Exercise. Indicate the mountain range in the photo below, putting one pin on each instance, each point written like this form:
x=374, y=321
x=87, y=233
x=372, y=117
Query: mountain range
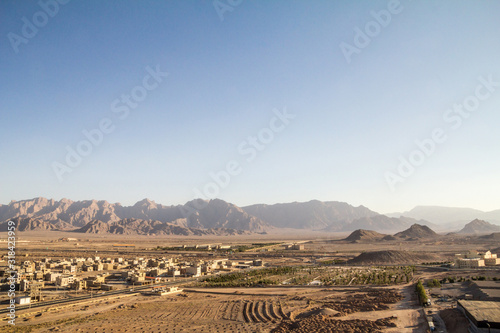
x=449, y=217
x=196, y=217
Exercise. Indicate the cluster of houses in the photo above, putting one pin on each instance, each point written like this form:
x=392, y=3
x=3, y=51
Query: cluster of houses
x=95, y=273
x=475, y=259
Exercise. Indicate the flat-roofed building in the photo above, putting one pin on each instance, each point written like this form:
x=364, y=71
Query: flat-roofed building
x=108, y=266
x=22, y=300
x=79, y=285
x=88, y=268
x=64, y=280
x=469, y=263
x=484, y=316
x=51, y=276
x=492, y=261
x=195, y=270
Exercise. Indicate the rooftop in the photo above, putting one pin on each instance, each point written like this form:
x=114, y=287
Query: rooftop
x=483, y=310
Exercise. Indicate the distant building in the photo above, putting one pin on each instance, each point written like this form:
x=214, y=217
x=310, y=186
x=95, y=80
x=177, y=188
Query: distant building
x=24, y=285
x=138, y=277
x=64, y=280
x=108, y=287
x=295, y=247
x=490, y=259
x=97, y=267
x=79, y=285
x=469, y=263
x=474, y=259
x=257, y=262
x=51, y=276
x=88, y=268
x=23, y=300
x=108, y=266
x=195, y=270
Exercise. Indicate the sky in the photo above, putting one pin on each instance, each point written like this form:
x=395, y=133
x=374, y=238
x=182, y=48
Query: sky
x=385, y=104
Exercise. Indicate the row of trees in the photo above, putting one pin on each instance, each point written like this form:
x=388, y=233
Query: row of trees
x=248, y=279
x=422, y=296
x=378, y=275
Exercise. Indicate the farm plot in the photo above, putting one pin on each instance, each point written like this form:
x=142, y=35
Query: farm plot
x=262, y=312
x=280, y=309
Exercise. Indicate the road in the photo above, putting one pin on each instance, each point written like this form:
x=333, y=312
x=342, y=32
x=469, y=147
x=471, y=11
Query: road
x=129, y=290
x=433, y=311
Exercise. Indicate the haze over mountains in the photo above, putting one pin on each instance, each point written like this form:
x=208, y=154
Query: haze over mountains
x=451, y=217
x=197, y=217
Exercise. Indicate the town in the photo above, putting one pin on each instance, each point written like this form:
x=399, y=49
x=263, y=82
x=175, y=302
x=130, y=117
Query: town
x=297, y=272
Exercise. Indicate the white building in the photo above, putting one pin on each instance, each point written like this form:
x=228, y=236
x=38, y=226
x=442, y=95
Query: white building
x=22, y=300
x=490, y=259
x=469, y=263
x=474, y=259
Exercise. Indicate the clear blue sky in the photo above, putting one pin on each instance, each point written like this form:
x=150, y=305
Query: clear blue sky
x=353, y=120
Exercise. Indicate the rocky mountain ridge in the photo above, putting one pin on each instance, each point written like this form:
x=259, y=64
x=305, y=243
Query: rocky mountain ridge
x=196, y=214
x=477, y=227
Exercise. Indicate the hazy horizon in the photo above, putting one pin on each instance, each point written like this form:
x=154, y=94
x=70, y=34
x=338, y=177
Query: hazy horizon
x=385, y=104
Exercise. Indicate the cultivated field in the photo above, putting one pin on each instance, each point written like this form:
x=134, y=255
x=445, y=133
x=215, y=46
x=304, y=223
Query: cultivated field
x=237, y=310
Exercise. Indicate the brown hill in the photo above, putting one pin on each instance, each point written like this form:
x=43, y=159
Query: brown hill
x=479, y=227
x=393, y=257
x=417, y=231
x=362, y=235
x=493, y=236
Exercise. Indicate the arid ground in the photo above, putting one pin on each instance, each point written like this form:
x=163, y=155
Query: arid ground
x=352, y=307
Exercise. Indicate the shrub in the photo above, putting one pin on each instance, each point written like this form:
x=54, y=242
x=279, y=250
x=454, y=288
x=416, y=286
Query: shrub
x=434, y=283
